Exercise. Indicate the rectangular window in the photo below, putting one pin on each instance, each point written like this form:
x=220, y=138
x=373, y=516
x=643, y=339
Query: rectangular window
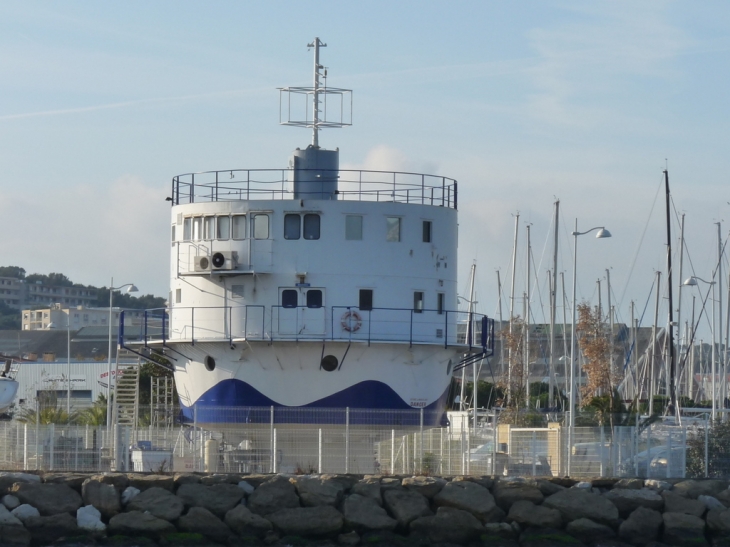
x=427, y=231
x=418, y=302
x=366, y=300
x=223, y=228
x=237, y=291
x=311, y=226
x=353, y=227
x=209, y=228
x=292, y=226
x=261, y=226
x=178, y=296
x=289, y=298
x=172, y=235
x=440, y=303
x=239, y=226
x=393, y=229
x=197, y=228
x=187, y=229
x=314, y=298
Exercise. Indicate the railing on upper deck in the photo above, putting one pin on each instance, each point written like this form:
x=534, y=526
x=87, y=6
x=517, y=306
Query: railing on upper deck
x=336, y=323
x=353, y=185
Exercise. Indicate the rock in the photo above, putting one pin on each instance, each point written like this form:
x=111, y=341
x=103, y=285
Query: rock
x=674, y=503
x=199, y=520
x=346, y=481
x=695, y=488
x=218, y=478
x=49, y=499
x=159, y=502
x=273, y=495
x=7, y=480
x=45, y=530
x=388, y=483
x=89, y=518
x=317, y=521
x=7, y=518
x=576, y=503
x=683, y=530
x=630, y=484
x=426, y=486
x=584, y=485
x=626, y=500
x=711, y=502
x=365, y=515
x=507, y=494
x=14, y=536
x=314, y=491
x=256, y=479
x=10, y=502
x=118, y=480
x=450, y=525
x=486, y=482
x=604, y=482
x=246, y=487
x=143, y=482
x=724, y=497
x=527, y=513
x=218, y=499
x=500, y=530
x=73, y=480
x=588, y=531
x=405, y=506
x=470, y=497
x=350, y=539
x=105, y=497
x=641, y=527
x=369, y=488
x=245, y=523
x=185, y=478
x=136, y=523
x=548, y=488
x=657, y=485
x=129, y=493
x=719, y=521
x=23, y=512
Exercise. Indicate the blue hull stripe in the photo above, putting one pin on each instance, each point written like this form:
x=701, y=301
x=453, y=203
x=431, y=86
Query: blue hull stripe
x=370, y=402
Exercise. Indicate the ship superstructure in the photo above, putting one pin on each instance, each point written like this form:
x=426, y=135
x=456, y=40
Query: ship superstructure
x=313, y=286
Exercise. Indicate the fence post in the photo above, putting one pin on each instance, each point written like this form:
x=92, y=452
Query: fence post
x=420, y=457
x=193, y=437
x=441, y=450
x=684, y=452
x=534, y=455
x=601, y=438
x=273, y=446
x=25, y=447
x=37, y=459
x=392, y=451
x=319, y=452
x=648, y=456
x=707, y=449
x=52, y=429
x=669, y=455
x=347, y=440
x=272, y=464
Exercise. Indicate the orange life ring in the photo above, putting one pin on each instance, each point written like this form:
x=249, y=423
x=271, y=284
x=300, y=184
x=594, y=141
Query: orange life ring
x=351, y=321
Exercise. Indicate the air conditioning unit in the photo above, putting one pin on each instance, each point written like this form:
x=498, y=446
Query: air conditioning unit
x=220, y=260
x=202, y=264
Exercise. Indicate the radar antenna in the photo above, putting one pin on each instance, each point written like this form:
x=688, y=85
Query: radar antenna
x=323, y=115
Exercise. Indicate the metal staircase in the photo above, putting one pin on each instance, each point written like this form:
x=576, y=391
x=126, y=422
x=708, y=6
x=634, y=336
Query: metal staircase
x=126, y=396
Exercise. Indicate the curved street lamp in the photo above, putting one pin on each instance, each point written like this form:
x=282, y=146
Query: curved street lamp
x=130, y=288
x=692, y=282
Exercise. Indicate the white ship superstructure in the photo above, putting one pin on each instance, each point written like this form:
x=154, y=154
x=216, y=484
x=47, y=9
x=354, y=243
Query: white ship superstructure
x=312, y=286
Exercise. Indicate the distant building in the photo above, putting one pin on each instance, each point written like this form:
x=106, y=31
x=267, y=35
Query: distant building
x=19, y=294
x=75, y=318
x=12, y=292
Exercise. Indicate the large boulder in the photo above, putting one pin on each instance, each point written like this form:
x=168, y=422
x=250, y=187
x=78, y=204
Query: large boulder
x=24, y=512
x=505, y=494
x=49, y=499
x=118, y=480
x=695, y=488
x=450, y=525
x=185, y=478
x=682, y=530
x=711, y=502
x=8, y=479
x=577, y=503
x=74, y=480
x=245, y=523
x=158, y=502
x=719, y=521
x=588, y=531
x=273, y=495
x=136, y=523
x=143, y=482
x=201, y=521
x=88, y=518
x=674, y=503
x=426, y=486
x=405, y=506
x=10, y=502
x=365, y=515
x=369, y=487
x=641, y=527
x=7, y=518
x=528, y=514
x=105, y=497
x=218, y=499
x=471, y=497
x=627, y=500
x=314, y=491
x=14, y=536
x=46, y=530
x=631, y=484
x=323, y=520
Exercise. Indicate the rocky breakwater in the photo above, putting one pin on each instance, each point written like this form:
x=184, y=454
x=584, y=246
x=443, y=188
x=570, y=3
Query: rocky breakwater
x=350, y=510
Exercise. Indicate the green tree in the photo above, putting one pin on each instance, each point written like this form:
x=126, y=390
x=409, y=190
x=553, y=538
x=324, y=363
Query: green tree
x=12, y=271
x=718, y=451
x=47, y=415
x=95, y=415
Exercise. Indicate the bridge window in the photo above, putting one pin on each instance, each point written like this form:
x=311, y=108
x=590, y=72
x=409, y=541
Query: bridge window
x=366, y=300
x=238, y=223
x=427, y=231
x=187, y=229
x=440, y=303
x=223, y=228
x=311, y=226
x=197, y=228
x=418, y=302
x=353, y=227
x=261, y=226
x=292, y=228
x=393, y=229
x=314, y=298
x=173, y=234
x=289, y=298
x=209, y=228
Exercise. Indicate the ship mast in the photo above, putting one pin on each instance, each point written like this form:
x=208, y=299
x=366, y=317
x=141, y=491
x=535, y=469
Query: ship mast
x=316, y=90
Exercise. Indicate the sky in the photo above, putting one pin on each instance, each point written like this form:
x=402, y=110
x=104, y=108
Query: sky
x=524, y=103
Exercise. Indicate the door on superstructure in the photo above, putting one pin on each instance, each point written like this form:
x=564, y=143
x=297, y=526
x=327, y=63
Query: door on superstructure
x=301, y=312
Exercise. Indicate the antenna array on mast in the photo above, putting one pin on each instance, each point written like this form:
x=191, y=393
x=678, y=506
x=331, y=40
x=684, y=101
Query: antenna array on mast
x=319, y=110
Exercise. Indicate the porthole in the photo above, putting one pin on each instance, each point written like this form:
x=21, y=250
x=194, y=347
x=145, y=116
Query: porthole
x=448, y=368
x=329, y=363
x=209, y=363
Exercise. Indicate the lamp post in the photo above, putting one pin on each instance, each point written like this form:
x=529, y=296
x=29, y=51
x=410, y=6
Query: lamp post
x=130, y=288
x=692, y=282
x=68, y=363
x=602, y=233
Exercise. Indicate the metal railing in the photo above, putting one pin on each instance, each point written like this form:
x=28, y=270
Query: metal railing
x=353, y=185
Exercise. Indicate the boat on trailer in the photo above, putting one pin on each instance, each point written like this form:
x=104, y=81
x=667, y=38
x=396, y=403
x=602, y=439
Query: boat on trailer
x=310, y=287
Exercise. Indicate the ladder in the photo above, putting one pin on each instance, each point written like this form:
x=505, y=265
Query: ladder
x=161, y=400
x=126, y=397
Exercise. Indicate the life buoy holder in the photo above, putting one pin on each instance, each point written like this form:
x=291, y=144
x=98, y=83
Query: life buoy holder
x=351, y=321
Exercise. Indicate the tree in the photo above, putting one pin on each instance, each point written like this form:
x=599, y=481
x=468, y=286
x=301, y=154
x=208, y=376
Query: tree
x=47, y=415
x=12, y=271
x=718, y=450
x=57, y=279
x=94, y=415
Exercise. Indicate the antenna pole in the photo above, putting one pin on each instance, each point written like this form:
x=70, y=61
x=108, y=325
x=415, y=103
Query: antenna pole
x=315, y=105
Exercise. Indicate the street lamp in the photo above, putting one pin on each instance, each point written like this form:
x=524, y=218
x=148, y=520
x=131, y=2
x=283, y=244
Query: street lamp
x=68, y=362
x=602, y=233
x=692, y=282
x=130, y=288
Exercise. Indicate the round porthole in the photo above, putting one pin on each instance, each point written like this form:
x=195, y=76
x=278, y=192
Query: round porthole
x=329, y=363
x=448, y=368
x=209, y=363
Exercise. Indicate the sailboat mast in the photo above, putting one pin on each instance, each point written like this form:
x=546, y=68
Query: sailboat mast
x=512, y=307
x=553, y=307
x=670, y=327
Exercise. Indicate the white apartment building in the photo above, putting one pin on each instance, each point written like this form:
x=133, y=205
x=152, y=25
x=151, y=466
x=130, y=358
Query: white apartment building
x=75, y=318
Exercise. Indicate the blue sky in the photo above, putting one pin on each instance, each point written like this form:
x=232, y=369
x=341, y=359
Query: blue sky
x=102, y=103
